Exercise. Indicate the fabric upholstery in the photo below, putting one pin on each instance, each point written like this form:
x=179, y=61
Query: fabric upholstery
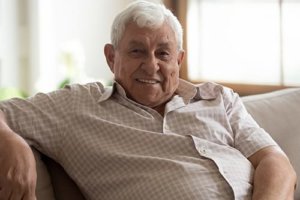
x=44, y=189
x=279, y=113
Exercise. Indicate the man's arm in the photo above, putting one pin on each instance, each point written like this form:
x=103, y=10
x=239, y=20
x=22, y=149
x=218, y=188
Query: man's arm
x=274, y=176
x=17, y=165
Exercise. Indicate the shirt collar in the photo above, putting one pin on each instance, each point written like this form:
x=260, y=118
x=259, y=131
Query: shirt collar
x=186, y=90
x=108, y=92
x=189, y=91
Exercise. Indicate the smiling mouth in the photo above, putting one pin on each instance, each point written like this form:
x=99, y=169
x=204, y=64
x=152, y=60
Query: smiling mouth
x=147, y=81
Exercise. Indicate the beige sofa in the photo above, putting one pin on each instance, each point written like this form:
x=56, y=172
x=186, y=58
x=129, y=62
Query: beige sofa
x=277, y=112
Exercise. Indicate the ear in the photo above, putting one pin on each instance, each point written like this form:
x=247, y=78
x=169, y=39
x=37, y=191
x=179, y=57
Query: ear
x=109, y=53
x=180, y=57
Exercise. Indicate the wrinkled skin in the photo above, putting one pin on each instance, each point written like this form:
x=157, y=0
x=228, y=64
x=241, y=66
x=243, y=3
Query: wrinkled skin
x=17, y=166
x=146, y=63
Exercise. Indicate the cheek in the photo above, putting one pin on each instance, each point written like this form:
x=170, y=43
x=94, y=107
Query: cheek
x=125, y=74
x=174, y=79
x=171, y=79
x=122, y=70
x=170, y=70
x=173, y=74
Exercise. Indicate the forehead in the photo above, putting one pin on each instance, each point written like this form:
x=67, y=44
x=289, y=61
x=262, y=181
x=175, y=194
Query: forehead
x=135, y=35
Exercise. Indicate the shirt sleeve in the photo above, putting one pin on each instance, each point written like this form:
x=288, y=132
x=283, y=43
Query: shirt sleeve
x=42, y=119
x=248, y=136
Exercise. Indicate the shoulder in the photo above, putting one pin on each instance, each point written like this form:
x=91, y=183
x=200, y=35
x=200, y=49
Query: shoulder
x=95, y=89
x=212, y=90
x=78, y=92
x=92, y=87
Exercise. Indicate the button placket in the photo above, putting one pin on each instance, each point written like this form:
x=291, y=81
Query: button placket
x=203, y=150
x=166, y=128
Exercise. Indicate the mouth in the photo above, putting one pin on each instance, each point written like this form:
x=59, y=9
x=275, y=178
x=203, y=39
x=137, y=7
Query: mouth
x=147, y=81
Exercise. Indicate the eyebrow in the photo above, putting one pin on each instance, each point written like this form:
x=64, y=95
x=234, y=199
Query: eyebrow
x=164, y=45
x=139, y=43
x=135, y=43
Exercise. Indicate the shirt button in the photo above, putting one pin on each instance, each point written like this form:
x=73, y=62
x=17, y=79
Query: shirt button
x=203, y=150
x=166, y=127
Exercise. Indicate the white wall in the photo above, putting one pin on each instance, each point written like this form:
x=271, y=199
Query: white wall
x=84, y=24
x=8, y=43
x=33, y=33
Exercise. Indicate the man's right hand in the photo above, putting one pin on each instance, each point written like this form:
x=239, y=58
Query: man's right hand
x=17, y=166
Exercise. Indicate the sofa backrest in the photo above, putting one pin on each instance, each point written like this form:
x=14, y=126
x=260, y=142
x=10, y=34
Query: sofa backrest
x=279, y=114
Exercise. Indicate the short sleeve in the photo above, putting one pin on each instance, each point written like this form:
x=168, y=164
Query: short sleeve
x=41, y=119
x=248, y=136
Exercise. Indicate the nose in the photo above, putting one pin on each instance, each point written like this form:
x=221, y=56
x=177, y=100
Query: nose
x=150, y=64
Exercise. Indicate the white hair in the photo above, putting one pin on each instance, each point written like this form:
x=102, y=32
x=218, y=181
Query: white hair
x=145, y=14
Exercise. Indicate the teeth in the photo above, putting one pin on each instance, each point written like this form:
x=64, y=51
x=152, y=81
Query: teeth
x=147, y=81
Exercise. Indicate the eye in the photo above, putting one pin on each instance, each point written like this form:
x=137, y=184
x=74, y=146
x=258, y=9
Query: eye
x=136, y=52
x=163, y=54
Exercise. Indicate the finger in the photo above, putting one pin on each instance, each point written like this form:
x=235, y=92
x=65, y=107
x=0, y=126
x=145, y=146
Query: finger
x=11, y=193
x=5, y=193
x=16, y=195
x=30, y=195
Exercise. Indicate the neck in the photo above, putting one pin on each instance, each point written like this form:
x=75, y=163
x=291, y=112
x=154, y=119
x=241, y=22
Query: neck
x=160, y=109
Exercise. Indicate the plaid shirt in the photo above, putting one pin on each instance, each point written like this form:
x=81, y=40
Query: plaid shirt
x=115, y=148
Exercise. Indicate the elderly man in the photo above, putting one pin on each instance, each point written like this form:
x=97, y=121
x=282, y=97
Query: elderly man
x=152, y=136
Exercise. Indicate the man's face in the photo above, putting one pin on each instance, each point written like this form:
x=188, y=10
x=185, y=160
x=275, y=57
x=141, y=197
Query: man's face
x=146, y=63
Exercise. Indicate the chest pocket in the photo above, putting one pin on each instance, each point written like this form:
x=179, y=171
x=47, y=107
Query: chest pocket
x=204, y=119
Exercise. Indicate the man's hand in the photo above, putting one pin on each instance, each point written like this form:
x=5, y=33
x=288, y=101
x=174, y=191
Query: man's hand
x=17, y=166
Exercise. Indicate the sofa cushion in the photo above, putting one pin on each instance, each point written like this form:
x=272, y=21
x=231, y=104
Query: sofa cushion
x=278, y=113
x=53, y=183
x=44, y=189
x=64, y=187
